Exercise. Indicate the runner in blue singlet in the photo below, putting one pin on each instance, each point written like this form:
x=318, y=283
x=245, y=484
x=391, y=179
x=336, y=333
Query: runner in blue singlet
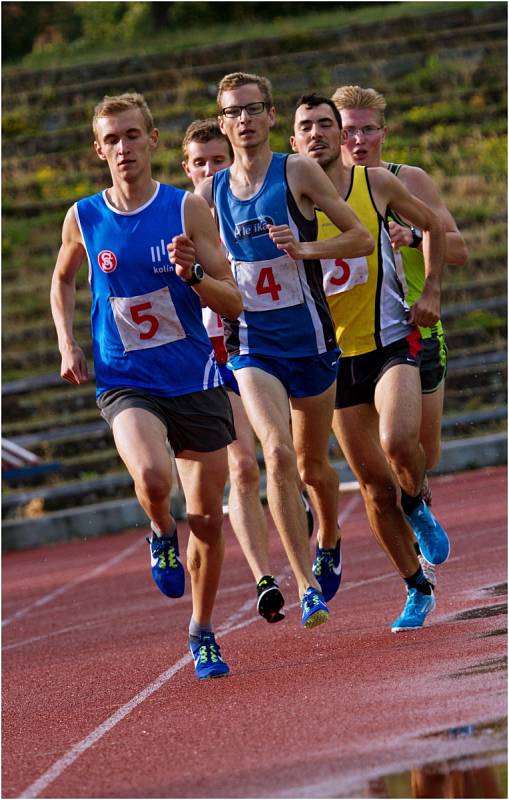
x=157, y=379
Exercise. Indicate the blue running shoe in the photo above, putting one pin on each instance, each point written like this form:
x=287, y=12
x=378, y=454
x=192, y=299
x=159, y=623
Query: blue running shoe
x=309, y=514
x=327, y=569
x=167, y=570
x=417, y=608
x=433, y=540
x=314, y=610
x=208, y=662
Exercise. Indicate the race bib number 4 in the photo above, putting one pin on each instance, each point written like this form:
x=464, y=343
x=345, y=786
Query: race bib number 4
x=269, y=285
x=342, y=274
x=147, y=320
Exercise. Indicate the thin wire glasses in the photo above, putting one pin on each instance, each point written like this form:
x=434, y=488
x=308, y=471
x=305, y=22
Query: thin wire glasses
x=366, y=130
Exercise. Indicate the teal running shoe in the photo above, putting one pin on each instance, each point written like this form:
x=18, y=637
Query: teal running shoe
x=314, y=609
x=417, y=608
x=208, y=662
x=327, y=569
x=167, y=570
x=433, y=540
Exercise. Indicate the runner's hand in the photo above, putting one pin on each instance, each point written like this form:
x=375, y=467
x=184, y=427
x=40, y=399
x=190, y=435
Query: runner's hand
x=426, y=309
x=400, y=236
x=181, y=252
x=74, y=365
x=284, y=239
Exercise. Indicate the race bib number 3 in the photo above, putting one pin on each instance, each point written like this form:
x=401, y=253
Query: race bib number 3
x=269, y=285
x=147, y=320
x=342, y=274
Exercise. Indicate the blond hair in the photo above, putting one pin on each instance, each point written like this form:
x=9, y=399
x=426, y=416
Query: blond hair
x=236, y=79
x=115, y=104
x=204, y=130
x=346, y=97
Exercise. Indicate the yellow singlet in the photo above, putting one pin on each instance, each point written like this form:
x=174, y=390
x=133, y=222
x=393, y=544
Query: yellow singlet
x=365, y=295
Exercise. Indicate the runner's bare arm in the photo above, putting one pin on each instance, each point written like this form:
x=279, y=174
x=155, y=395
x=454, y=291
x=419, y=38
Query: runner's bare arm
x=420, y=184
x=218, y=289
x=312, y=189
x=63, y=296
x=204, y=189
x=426, y=309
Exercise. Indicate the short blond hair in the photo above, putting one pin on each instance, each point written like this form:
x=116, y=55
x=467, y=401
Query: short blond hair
x=204, y=130
x=236, y=79
x=346, y=97
x=115, y=104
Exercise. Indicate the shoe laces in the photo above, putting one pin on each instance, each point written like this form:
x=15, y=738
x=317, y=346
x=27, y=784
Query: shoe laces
x=414, y=599
x=310, y=599
x=165, y=551
x=209, y=652
x=324, y=561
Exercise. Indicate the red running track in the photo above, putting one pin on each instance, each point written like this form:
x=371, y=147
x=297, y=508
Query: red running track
x=100, y=697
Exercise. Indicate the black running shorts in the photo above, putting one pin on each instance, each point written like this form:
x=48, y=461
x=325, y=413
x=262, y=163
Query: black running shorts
x=359, y=375
x=201, y=421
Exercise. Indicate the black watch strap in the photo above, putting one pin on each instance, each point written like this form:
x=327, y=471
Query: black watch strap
x=197, y=275
x=416, y=237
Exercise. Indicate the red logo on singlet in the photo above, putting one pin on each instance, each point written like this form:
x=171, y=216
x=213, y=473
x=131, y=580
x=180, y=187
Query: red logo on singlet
x=107, y=260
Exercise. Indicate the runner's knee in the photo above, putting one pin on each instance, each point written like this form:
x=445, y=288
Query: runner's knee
x=280, y=460
x=381, y=497
x=152, y=483
x=244, y=473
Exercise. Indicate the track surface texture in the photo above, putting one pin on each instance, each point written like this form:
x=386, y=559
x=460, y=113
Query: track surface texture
x=100, y=697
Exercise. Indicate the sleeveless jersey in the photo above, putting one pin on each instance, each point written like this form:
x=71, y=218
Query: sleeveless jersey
x=365, y=294
x=285, y=310
x=412, y=263
x=147, y=325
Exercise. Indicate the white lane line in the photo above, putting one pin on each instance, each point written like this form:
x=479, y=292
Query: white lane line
x=34, y=639
x=75, y=752
x=71, y=584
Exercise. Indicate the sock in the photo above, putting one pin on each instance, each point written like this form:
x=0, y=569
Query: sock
x=419, y=582
x=195, y=629
x=157, y=532
x=409, y=503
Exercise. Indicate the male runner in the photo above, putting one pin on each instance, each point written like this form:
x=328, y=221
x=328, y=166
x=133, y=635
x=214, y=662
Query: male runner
x=156, y=379
x=362, y=113
x=206, y=151
x=283, y=349
x=378, y=402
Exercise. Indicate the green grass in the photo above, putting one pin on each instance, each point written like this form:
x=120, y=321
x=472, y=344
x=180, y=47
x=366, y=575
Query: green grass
x=80, y=52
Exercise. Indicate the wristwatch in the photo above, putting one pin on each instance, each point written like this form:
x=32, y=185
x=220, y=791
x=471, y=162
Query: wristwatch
x=197, y=274
x=416, y=237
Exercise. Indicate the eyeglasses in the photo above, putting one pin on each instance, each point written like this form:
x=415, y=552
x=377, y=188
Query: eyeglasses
x=367, y=130
x=252, y=109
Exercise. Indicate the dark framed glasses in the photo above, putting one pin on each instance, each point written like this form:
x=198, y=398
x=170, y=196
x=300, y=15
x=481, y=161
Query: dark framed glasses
x=251, y=108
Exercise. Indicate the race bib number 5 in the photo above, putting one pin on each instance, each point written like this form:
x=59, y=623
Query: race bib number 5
x=269, y=285
x=342, y=274
x=147, y=320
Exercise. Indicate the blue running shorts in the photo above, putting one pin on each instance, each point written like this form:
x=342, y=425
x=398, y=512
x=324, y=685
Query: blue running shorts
x=301, y=377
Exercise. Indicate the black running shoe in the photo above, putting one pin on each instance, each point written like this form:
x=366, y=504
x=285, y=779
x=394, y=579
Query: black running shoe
x=309, y=515
x=270, y=600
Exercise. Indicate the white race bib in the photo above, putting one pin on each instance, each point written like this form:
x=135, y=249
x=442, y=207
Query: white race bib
x=147, y=320
x=268, y=285
x=212, y=322
x=341, y=274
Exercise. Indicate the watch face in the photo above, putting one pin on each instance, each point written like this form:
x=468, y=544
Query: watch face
x=198, y=273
